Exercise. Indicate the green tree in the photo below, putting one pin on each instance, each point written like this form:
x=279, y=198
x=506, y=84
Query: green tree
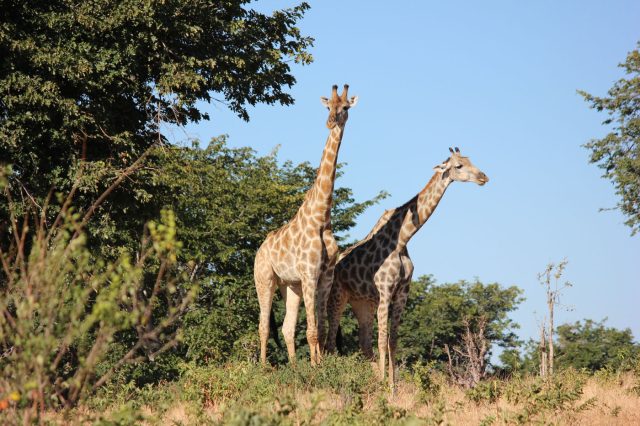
x=586, y=344
x=435, y=316
x=524, y=357
x=618, y=153
x=593, y=346
x=96, y=80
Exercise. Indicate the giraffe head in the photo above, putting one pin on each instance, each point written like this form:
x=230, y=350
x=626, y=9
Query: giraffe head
x=338, y=106
x=461, y=169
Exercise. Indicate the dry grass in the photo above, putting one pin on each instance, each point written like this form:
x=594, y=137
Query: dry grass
x=602, y=401
x=614, y=404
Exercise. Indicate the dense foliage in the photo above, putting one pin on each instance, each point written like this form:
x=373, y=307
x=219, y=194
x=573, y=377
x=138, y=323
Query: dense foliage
x=435, y=314
x=618, y=153
x=63, y=310
x=588, y=345
x=593, y=346
x=96, y=80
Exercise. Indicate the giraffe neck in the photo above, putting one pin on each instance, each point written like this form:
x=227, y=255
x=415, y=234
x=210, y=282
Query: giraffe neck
x=419, y=209
x=319, y=198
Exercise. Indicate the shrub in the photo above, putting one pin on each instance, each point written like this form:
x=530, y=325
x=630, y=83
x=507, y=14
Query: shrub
x=560, y=392
x=487, y=391
x=428, y=381
x=62, y=309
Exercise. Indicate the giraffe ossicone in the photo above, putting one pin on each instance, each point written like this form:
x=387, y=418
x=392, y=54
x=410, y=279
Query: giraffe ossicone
x=299, y=258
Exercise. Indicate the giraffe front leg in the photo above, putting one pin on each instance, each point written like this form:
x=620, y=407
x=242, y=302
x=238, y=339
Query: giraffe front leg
x=265, y=281
x=383, y=334
x=311, y=300
x=393, y=344
x=292, y=295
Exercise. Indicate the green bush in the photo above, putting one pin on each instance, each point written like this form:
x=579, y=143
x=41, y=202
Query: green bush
x=247, y=382
x=246, y=391
x=428, y=381
x=540, y=396
x=488, y=391
x=63, y=309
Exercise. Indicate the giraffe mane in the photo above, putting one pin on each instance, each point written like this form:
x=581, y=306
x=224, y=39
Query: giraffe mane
x=384, y=219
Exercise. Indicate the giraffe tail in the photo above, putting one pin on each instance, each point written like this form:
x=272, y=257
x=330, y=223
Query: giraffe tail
x=274, y=329
x=339, y=341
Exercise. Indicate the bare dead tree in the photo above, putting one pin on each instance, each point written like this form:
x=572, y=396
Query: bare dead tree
x=469, y=365
x=543, y=349
x=550, y=279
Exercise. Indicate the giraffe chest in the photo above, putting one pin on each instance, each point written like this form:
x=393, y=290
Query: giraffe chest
x=304, y=254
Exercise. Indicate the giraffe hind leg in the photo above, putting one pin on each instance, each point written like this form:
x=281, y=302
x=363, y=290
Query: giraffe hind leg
x=335, y=308
x=325, y=284
x=364, y=311
x=395, y=316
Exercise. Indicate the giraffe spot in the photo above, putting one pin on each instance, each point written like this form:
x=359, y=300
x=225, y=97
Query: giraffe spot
x=326, y=186
x=313, y=258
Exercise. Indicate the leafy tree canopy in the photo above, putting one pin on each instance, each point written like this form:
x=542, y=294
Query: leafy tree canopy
x=587, y=344
x=618, y=153
x=101, y=76
x=592, y=345
x=434, y=316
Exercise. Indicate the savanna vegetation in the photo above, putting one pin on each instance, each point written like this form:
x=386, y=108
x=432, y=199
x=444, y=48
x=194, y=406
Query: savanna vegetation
x=126, y=261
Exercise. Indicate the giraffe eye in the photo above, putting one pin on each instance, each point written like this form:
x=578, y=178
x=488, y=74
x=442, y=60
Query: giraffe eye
x=345, y=108
x=459, y=166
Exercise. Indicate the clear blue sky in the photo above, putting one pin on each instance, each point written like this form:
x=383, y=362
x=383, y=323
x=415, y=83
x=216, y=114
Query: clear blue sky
x=499, y=80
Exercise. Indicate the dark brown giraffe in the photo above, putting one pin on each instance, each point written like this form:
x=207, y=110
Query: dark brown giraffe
x=300, y=257
x=374, y=274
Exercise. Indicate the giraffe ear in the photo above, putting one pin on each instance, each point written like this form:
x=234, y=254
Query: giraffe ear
x=324, y=101
x=353, y=101
x=443, y=167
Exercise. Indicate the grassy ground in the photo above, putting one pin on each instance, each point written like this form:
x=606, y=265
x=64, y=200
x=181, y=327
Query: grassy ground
x=346, y=391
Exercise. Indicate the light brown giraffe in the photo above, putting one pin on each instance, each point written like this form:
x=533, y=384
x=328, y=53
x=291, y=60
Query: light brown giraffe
x=300, y=257
x=374, y=274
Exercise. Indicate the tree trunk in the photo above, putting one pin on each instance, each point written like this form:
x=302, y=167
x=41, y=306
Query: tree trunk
x=550, y=335
x=543, y=350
